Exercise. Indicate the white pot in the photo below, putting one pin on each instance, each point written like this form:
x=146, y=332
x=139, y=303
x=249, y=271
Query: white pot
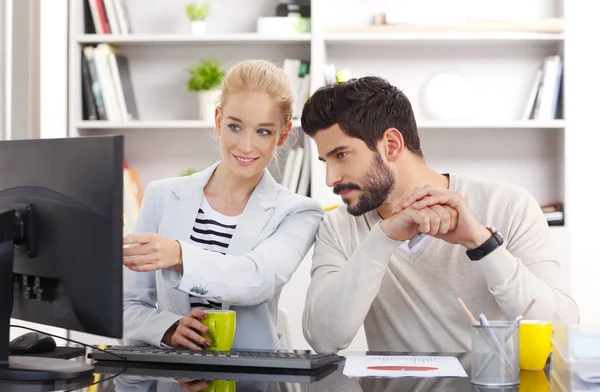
x=208, y=103
x=198, y=27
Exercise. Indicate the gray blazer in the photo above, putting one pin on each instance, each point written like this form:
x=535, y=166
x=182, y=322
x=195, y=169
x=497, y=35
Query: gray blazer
x=275, y=231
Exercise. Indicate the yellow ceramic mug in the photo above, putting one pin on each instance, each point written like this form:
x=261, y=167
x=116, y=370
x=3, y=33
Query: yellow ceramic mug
x=220, y=386
x=221, y=325
x=535, y=344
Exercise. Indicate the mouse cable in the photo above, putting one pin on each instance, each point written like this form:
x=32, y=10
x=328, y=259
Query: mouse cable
x=70, y=340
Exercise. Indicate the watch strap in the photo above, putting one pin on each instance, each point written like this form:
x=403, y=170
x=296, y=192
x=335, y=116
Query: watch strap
x=491, y=244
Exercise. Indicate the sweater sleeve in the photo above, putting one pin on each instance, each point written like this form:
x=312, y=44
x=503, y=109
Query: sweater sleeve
x=342, y=289
x=525, y=267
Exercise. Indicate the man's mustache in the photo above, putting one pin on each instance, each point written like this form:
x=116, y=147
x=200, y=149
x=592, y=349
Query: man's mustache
x=339, y=188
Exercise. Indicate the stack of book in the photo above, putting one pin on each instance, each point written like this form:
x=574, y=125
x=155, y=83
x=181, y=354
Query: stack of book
x=543, y=102
x=108, y=17
x=554, y=213
x=296, y=170
x=106, y=85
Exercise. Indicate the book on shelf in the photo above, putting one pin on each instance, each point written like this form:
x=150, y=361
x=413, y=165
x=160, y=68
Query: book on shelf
x=107, y=17
x=296, y=169
x=543, y=101
x=106, y=85
x=554, y=213
x=298, y=73
x=303, y=187
x=91, y=111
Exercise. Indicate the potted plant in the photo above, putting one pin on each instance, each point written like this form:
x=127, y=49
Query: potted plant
x=205, y=80
x=197, y=13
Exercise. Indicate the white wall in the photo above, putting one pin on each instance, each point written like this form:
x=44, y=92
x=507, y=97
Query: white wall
x=53, y=68
x=53, y=95
x=581, y=153
x=582, y=160
x=4, y=70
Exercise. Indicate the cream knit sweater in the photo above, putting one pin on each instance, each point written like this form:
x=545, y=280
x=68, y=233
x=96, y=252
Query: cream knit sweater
x=408, y=302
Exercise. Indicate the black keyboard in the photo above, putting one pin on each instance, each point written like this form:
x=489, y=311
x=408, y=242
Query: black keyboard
x=169, y=372
x=281, y=359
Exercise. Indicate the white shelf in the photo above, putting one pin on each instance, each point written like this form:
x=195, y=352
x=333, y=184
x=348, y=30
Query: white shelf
x=179, y=124
x=142, y=125
x=441, y=37
x=553, y=124
x=198, y=124
x=184, y=39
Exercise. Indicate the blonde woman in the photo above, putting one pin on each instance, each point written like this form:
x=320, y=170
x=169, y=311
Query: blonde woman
x=227, y=237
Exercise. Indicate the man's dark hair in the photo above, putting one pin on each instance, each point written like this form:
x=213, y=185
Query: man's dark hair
x=363, y=108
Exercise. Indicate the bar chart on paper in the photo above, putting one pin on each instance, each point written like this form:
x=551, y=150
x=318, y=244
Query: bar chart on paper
x=402, y=366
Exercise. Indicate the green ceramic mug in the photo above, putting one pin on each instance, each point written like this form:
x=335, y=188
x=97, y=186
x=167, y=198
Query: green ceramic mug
x=221, y=326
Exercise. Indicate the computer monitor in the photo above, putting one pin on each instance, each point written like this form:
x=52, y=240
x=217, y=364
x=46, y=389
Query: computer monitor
x=61, y=224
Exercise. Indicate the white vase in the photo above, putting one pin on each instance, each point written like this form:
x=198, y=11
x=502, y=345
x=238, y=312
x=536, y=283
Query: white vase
x=198, y=27
x=208, y=103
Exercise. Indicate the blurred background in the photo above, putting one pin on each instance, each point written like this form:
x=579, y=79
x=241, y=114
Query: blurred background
x=502, y=89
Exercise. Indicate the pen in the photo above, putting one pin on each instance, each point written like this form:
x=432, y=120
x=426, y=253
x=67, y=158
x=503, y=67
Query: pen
x=494, y=339
x=515, y=324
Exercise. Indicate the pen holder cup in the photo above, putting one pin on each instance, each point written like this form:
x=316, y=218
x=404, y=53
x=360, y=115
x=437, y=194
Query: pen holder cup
x=495, y=354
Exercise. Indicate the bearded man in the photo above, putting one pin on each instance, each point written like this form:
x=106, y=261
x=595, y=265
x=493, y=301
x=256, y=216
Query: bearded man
x=409, y=241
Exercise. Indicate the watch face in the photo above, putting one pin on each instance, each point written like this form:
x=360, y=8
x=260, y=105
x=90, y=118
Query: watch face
x=495, y=231
x=499, y=237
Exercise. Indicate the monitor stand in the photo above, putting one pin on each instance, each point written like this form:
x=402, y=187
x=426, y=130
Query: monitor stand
x=24, y=367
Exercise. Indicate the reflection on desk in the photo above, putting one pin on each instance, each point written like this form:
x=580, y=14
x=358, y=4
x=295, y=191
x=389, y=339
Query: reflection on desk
x=113, y=377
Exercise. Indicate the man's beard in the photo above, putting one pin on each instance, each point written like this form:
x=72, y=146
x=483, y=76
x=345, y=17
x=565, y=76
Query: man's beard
x=378, y=183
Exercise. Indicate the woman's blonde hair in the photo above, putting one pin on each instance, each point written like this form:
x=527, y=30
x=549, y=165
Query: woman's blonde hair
x=260, y=76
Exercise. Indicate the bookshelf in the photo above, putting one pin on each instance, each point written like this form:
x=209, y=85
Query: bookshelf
x=494, y=142
x=141, y=125
x=498, y=61
x=167, y=49
x=184, y=39
x=445, y=38
x=499, y=125
x=346, y=41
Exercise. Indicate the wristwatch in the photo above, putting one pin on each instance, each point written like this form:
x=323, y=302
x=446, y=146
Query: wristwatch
x=488, y=246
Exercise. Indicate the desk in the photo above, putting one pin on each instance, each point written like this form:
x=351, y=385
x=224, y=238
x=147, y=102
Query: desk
x=114, y=377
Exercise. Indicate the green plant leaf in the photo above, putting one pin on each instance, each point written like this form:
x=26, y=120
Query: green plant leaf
x=206, y=75
x=198, y=11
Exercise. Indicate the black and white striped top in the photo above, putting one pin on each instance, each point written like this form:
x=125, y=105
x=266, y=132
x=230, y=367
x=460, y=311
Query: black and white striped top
x=212, y=231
